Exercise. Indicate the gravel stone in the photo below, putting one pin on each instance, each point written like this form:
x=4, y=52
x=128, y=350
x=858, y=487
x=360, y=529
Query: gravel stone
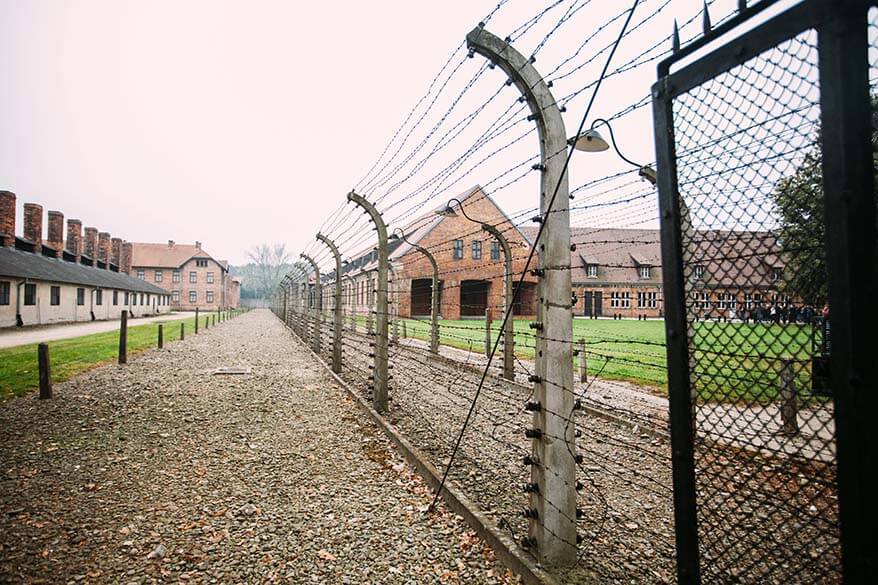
x=159, y=471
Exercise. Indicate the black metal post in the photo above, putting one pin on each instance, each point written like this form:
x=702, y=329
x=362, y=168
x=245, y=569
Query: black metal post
x=852, y=260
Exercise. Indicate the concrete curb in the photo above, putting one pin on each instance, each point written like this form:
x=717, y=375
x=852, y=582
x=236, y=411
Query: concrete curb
x=506, y=550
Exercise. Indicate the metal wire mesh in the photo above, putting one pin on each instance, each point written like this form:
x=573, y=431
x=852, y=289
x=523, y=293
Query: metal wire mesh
x=754, y=271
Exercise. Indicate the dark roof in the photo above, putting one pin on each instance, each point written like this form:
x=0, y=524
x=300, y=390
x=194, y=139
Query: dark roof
x=20, y=264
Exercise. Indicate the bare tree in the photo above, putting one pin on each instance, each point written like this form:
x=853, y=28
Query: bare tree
x=269, y=263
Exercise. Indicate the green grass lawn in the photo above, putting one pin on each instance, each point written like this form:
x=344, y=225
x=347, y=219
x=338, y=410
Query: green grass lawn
x=732, y=361
x=18, y=365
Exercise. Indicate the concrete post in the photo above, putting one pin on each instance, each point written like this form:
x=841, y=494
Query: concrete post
x=394, y=305
x=583, y=364
x=316, y=303
x=337, y=308
x=434, y=295
x=508, y=333
x=552, y=527
x=789, y=407
x=379, y=373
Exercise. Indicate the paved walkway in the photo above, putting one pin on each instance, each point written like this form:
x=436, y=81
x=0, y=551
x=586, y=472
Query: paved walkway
x=13, y=336
x=162, y=471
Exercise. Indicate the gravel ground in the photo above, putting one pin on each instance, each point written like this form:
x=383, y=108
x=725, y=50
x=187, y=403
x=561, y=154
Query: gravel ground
x=765, y=520
x=159, y=471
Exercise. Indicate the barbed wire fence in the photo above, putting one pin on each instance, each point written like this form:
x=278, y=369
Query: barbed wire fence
x=584, y=471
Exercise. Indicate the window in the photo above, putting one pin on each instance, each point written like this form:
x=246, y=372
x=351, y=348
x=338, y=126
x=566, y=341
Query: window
x=115, y=298
x=126, y=298
x=210, y=296
x=752, y=300
x=159, y=275
x=141, y=299
x=458, y=250
x=647, y=300
x=495, y=250
x=477, y=250
x=727, y=301
x=193, y=276
x=4, y=292
x=193, y=296
x=99, y=297
x=620, y=300
x=644, y=271
x=702, y=300
x=141, y=275
x=698, y=269
x=175, y=296
x=175, y=276
x=776, y=274
x=591, y=270
x=80, y=296
x=147, y=299
x=55, y=295
x=210, y=278
x=201, y=263
x=30, y=294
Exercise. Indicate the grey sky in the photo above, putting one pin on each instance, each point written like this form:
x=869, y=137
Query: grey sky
x=236, y=123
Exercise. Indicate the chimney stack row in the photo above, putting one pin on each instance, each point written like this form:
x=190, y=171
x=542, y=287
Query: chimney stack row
x=33, y=225
x=56, y=233
x=7, y=218
x=74, y=238
x=91, y=244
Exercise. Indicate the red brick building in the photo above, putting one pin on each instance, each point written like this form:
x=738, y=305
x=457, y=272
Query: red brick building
x=471, y=265
x=192, y=276
x=613, y=271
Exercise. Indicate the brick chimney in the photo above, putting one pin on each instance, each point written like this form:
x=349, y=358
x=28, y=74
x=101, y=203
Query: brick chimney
x=56, y=233
x=104, y=248
x=7, y=218
x=198, y=245
x=127, y=251
x=33, y=225
x=91, y=244
x=116, y=253
x=74, y=238
x=170, y=243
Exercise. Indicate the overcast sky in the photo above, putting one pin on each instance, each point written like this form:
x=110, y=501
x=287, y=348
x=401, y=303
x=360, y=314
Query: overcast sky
x=242, y=122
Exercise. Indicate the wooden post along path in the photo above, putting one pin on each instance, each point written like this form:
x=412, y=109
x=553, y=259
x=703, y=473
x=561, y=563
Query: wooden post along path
x=45, y=371
x=123, y=338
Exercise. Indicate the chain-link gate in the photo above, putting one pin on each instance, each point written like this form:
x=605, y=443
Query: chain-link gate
x=768, y=236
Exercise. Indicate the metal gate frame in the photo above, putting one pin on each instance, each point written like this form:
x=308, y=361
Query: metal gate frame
x=846, y=121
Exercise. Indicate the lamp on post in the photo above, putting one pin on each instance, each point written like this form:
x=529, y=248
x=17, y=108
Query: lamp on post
x=434, y=289
x=508, y=336
x=592, y=141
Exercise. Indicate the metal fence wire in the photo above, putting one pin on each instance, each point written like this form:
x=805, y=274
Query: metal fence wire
x=752, y=397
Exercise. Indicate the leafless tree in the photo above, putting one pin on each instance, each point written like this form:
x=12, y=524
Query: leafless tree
x=269, y=263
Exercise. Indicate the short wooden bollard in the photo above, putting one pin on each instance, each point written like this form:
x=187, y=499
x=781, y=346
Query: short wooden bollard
x=123, y=338
x=182, y=331
x=789, y=408
x=583, y=364
x=405, y=333
x=487, y=332
x=45, y=371
x=196, y=320
x=207, y=323
x=213, y=319
x=161, y=336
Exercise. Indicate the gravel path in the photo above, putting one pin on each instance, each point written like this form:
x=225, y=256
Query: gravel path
x=160, y=471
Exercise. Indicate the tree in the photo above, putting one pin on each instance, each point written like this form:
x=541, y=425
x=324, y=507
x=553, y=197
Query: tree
x=268, y=264
x=799, y=200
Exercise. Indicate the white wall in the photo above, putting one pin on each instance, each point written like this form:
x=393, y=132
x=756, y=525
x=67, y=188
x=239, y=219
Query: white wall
x=44, y=313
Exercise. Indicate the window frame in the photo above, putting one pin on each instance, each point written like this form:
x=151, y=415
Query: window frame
x=193, y=296
x=193, y=277
x=99, y=297
x=54, y=295
x=644, y=271
x=30, y=290
x=175, y=276
x=159, y=276
x=5, y=292
x=495, y=250
x=80, y=296
x=591, y=270
x=457, y=250
x=208, y=298
x=476, y=249
x=210, y=277
x=141, y=274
